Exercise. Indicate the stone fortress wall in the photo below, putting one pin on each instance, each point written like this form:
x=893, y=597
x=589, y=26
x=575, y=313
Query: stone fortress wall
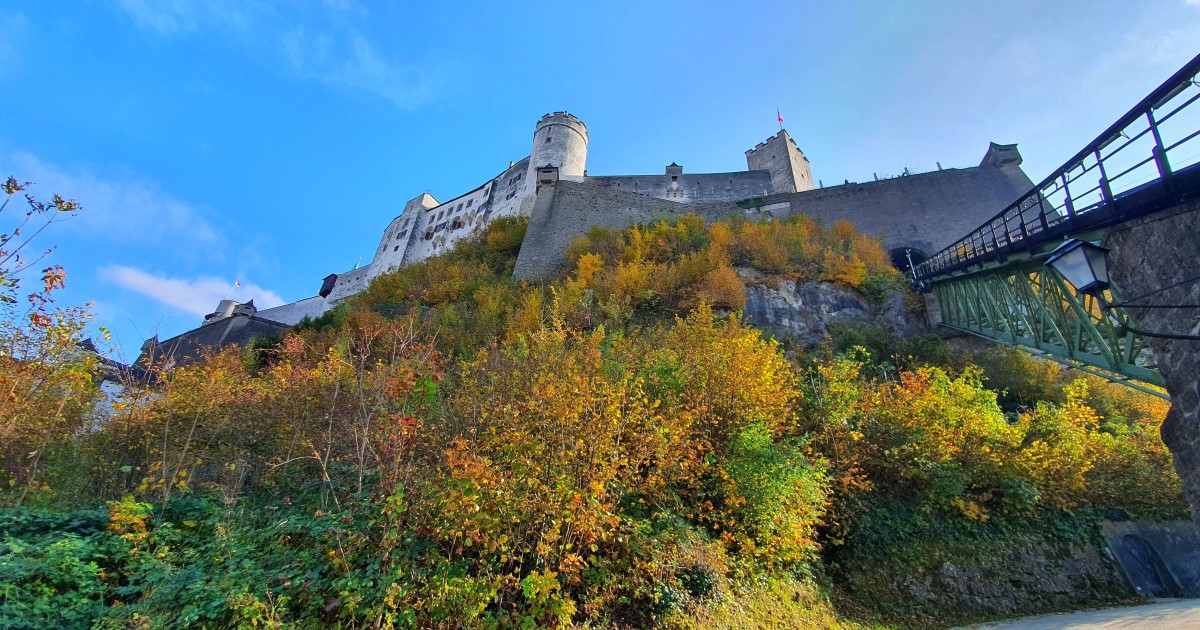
x=688, y=188
x=925, y=212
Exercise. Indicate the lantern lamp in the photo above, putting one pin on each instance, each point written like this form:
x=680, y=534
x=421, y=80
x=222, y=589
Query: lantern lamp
x=1083, y=264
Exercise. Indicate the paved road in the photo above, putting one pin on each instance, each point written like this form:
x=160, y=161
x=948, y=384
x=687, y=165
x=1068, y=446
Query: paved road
x=1163, y=614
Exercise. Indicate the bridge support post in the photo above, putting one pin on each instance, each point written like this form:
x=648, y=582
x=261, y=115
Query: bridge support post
x=1148, y=255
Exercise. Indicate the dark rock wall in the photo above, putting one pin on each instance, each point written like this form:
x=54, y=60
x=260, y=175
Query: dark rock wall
x=1145, y=256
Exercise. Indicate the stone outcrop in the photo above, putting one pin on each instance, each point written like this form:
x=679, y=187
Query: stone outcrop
x=803, y=311
x=1038, y=577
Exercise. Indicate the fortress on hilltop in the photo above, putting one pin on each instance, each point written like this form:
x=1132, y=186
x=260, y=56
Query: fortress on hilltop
x=915, y=214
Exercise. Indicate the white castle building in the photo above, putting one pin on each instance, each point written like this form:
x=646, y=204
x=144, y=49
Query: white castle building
x=915, y=215
x=426, y=226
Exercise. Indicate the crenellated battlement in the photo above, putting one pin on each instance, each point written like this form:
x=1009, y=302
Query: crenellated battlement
x=562, y=117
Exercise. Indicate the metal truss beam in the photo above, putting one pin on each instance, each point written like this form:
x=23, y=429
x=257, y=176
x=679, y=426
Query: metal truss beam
x=1030, y=306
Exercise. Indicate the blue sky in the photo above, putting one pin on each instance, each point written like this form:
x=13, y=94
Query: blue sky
x=272, y=142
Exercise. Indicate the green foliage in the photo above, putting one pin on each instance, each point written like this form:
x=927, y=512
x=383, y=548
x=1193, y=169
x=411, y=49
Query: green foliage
x=779, y=496
x=890, y=353
x=929, y=569
x=329, y=320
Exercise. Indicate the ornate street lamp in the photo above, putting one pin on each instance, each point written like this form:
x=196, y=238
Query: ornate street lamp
x=1083, y=264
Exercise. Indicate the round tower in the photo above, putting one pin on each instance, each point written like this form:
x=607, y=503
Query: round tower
x=560, y=140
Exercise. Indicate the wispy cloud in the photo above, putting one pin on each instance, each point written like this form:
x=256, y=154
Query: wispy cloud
x=125, y=210
x=167, y=17
x=354, y=62
x=197, y=296
x=12, y=31
x=313, y=42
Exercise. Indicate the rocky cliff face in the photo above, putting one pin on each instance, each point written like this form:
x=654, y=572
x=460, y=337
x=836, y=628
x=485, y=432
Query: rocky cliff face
x=947, y=583
x=803, y=311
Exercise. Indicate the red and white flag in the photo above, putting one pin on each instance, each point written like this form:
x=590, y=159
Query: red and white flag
x=237, y=283
x=779, y=116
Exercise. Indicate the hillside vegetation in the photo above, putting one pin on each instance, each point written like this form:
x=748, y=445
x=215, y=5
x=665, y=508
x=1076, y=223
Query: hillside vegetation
x=611, y=448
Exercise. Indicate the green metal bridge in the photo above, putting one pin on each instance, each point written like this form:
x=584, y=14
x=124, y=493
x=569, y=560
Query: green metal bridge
x=995, y=283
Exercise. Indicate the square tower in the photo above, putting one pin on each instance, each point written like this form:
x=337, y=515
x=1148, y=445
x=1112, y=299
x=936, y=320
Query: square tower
x=790, y=171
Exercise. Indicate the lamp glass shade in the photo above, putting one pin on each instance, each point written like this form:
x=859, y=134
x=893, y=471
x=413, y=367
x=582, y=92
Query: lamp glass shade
x=1083, y=264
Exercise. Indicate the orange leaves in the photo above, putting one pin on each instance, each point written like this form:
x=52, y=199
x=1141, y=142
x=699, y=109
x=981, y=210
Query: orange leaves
x=53, y=277
x=721, y=288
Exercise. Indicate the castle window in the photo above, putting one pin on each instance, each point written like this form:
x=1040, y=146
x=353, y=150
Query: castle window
x=547, y=139
x=469, y=202
x=440, y=227
x=458, y=208
x=402, y=234
x=674, y=178
x=396, y=248
x=439, y=216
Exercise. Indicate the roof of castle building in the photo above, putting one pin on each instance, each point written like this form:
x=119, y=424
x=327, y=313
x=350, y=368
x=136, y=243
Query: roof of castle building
x=190, y=346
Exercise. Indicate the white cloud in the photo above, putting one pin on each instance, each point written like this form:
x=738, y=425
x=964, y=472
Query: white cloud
x=198, y=296
x=316, y=42
x=127, y=211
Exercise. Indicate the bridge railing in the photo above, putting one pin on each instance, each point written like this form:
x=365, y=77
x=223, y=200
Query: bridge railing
x=1146, y=148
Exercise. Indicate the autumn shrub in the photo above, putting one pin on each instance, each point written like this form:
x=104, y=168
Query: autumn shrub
x=611, y=447
x=777, y=602
x=46, y=376
x=776, y=496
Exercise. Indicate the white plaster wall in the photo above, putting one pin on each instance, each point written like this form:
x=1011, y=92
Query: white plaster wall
x=291, y=314
x=560, y=139
x=348, y=284
x=437, y=228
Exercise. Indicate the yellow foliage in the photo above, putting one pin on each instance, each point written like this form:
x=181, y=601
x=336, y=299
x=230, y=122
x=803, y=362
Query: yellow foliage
x=588, y=266
x=630, y=280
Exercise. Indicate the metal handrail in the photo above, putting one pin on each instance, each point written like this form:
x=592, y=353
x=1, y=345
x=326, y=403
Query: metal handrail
x=1049, y=210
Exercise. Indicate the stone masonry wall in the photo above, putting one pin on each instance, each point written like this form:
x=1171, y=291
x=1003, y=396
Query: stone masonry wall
x=691, y=187
x=566, y=210
x=1147, y=255
x=927, y=211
